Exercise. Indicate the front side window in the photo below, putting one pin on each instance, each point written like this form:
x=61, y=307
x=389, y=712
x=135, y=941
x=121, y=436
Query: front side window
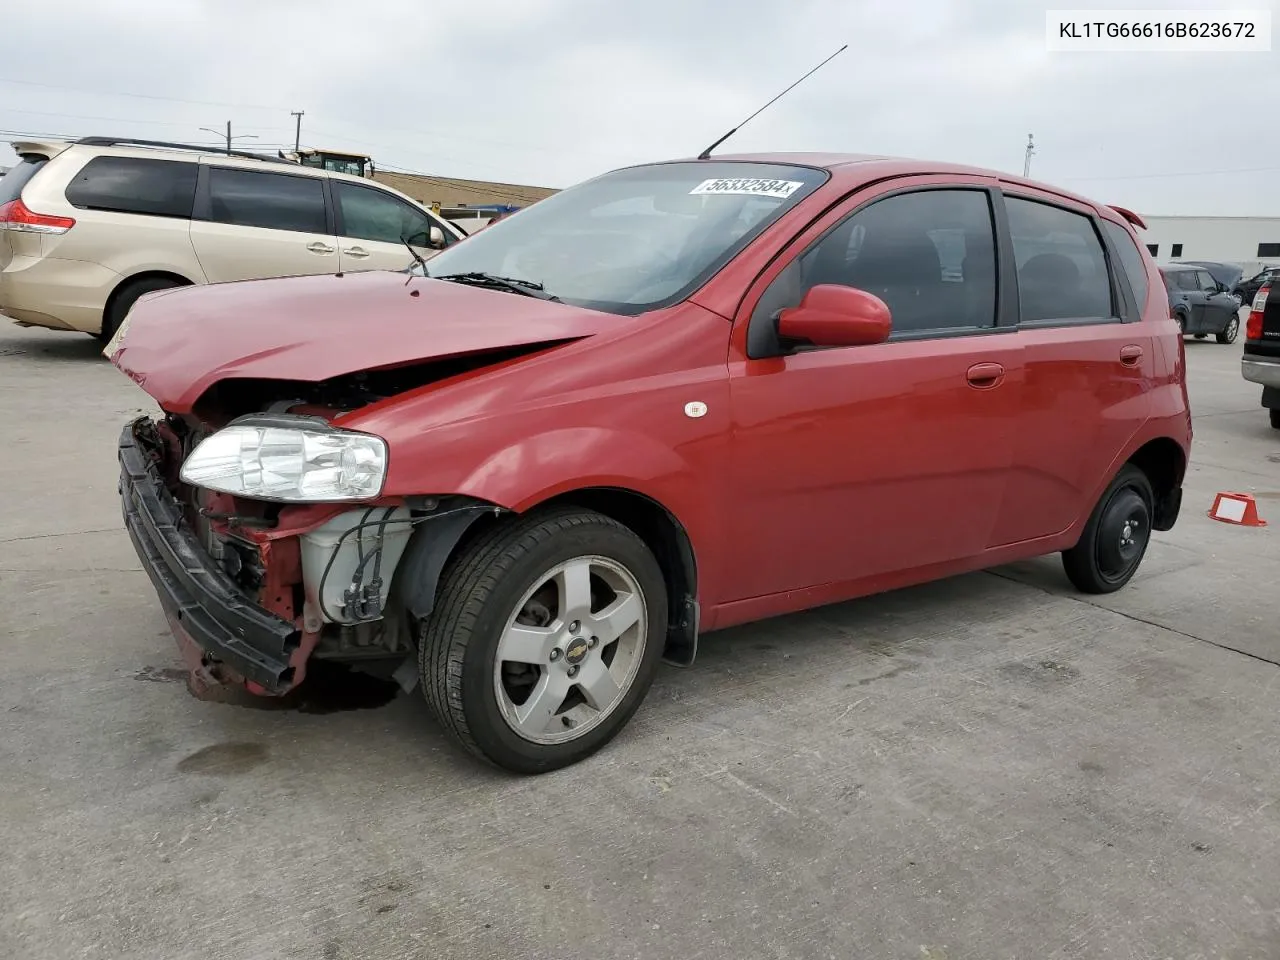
x=1061, y=267
x=371, y=214
x=274, y=201
x=636, y=239
x=158, y=188
x=930, y=256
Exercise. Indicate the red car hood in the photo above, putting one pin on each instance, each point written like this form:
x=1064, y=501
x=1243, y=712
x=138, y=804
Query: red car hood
x=177, y=343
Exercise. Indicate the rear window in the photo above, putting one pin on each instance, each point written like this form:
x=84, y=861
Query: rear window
x=157, y=188
x=11, y=183
x=1133, y=267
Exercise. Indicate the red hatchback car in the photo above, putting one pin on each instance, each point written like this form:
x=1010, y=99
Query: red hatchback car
x=674, y=398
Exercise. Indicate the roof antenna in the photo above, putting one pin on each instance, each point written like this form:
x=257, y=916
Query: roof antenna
x=706, y=154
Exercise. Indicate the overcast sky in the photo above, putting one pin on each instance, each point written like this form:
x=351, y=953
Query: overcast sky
x=549, y=92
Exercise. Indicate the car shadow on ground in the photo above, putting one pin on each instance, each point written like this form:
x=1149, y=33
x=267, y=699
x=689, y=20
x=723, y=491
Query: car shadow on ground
x=66, y=347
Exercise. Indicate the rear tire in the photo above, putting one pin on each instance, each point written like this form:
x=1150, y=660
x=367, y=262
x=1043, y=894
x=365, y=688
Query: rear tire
x=1232, y=330
x=545, y=637
x=1275, y=418
x=1115, y=539
x=124, y=299
x=1182, y=323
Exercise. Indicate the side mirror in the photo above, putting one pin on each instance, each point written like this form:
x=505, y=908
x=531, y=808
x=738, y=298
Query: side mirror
x=436, y=238
x=831, y=315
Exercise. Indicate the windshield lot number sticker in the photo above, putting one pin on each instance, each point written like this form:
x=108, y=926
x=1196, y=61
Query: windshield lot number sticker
x=749, y=187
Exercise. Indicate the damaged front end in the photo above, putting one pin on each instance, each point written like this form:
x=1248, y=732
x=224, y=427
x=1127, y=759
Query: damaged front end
x=251, y=588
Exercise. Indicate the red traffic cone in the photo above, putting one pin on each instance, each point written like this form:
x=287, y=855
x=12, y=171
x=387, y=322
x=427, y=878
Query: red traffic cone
x=1238, y=508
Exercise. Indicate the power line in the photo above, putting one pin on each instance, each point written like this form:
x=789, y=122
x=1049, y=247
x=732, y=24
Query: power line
x=1155, y=176
x=139, y=96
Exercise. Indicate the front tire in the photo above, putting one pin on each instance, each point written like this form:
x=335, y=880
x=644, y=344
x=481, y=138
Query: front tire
x=1232, y=330
x=124, y=299
x=544, y=639
x=1115, y=539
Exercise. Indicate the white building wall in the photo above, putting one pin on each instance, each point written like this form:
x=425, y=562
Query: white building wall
x=1229, y=239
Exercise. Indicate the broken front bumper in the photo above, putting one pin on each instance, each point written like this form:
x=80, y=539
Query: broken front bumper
x=205, y=607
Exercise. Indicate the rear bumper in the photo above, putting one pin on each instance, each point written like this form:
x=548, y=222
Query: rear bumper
x=1261, y=370
x=54, y=293
x=205, y=607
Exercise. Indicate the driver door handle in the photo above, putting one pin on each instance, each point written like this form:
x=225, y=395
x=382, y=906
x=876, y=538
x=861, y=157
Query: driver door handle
x=1130, y=354
x=355, y=252
x=318, y=247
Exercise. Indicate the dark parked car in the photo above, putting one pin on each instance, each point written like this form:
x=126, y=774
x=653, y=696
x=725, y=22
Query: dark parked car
x=1227, y=274
x=1261, y=361
x=1248, y=289
x=1201, y=304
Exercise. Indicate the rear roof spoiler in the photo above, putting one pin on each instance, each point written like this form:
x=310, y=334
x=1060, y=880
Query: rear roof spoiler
x=1130, y=216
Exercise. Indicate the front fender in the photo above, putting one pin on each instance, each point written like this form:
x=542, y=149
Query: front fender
x=533, y=469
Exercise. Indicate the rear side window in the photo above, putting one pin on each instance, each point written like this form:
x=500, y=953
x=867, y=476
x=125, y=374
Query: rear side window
x=11, y=183
x=1131, y=262
x=157, y=188
x=274, y=201
x=1062, y=271
x=1187, y=280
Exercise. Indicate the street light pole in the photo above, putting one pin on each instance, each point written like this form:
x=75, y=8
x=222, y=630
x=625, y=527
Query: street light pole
x=1026, y=163
x=297, y=136
x=229, y=138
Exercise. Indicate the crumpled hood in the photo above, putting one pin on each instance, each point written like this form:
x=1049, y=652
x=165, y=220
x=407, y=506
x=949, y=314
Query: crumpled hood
x=177, y=343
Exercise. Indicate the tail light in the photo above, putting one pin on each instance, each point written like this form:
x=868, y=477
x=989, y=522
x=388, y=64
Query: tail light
x=1253, y=326
x=16, y=216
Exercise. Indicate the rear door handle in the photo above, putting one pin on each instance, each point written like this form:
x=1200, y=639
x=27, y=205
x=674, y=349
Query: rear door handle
x=984, y=375
x=1130, y=354
x=355, y=252
x=318, y=247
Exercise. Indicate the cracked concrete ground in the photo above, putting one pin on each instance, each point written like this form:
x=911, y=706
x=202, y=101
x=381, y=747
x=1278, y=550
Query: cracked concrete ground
x=987, y=767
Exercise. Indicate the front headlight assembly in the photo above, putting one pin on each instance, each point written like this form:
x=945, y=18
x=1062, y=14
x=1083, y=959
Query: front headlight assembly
x=293, y=460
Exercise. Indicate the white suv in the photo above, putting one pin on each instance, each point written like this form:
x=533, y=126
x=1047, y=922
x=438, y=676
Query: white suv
x=87, y=227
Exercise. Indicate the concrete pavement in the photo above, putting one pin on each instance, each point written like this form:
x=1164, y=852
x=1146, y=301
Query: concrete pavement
x=987, y=767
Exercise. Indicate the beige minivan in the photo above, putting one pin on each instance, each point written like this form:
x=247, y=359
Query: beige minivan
x=89, y=226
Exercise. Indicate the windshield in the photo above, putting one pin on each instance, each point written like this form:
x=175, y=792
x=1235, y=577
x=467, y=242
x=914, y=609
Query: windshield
x=635, y=239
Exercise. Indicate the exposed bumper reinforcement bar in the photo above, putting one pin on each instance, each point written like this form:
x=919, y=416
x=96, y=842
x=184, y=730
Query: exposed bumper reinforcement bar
x=198, y=596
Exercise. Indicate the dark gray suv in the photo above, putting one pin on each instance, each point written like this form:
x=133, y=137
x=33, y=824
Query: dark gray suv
x=1201, y=305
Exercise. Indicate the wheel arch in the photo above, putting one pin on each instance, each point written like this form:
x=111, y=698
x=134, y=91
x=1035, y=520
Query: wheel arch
x=457, y=521
x=1164, y=462
x=667, y=538
x=130, y=280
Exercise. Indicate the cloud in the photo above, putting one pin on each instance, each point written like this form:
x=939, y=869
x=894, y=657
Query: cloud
x=553, y=91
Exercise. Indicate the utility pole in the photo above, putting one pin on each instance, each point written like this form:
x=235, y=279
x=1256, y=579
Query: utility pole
x=1026, y=163
x=297, y=136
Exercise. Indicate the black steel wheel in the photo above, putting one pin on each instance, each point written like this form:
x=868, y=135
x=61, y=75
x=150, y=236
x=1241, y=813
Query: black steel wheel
x=1116, y=536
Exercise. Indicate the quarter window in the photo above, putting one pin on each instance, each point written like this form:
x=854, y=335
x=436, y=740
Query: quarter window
x=273, y=201
x=1062, y=271
x=1131, y=262
x=930, y=256
x=369, y=214
x=157, y=188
